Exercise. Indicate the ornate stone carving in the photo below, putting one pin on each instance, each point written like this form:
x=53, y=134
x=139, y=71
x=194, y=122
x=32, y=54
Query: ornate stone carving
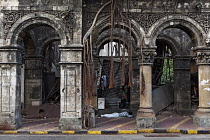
x=163, y=4
x=146, y=57
x=146, y=20
x=202, y=58
x=202, y=18
x=10, y=17
x=133, y=4
x=68, y=18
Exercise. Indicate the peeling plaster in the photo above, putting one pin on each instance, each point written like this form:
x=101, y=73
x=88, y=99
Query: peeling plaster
x=204, y=82
x=208, y=89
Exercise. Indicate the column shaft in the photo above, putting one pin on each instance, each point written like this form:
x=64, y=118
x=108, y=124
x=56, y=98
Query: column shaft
x=145, y=115
x=145, y=91
x=202, y=115
x=204, y=88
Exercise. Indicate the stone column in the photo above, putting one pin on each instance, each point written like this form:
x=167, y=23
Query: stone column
x=71, y=87
x=33, y=80
x=202, y=115
x=10, y=90
x=182, y=85
x=145, y=115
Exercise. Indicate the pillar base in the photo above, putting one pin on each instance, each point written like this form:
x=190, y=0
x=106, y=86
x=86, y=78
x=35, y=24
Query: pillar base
x=7, y=122
x=146, y=122
x=70, y=123
x=146, y=118
x=201, y=119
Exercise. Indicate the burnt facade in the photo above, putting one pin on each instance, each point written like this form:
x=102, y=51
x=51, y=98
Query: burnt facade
x=45, y=43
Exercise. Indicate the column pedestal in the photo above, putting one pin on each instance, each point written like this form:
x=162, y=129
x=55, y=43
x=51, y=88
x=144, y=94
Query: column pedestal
x=201, y=119
x=70, y=123
x=146, y=122
x=145, y=118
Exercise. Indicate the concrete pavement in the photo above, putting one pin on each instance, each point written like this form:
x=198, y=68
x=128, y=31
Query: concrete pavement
x=167, y=122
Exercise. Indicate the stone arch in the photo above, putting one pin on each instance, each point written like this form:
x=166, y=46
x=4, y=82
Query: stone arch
x=46, y=41
x=190, y=26
x=174, y=46
x=40, y=19
x=103, y=24
x=102, y=28
x=137, y=31
x=182, y=62
x=106, y=39
x=23, y=24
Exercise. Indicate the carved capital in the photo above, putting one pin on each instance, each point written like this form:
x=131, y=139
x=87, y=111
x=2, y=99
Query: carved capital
x=202, y=58
x=146, y=57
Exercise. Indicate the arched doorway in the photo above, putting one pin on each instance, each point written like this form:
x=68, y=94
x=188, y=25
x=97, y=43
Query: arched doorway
x=174, y=48
x=187, y=35
x=23, y=40
x=41, y=74
x=113, y=42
